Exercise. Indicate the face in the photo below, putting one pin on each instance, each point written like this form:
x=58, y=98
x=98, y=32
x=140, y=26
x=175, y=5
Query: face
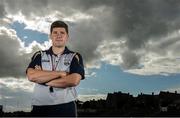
x=59, y=37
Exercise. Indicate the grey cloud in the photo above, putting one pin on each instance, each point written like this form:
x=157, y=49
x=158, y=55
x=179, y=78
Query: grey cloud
x=10, y=60
x=85, y=39
x=14, y=98
x=144, y=20
x=165, y=46
x=138, y=20
x=2, y=11
x=13, y=63
x=38, y=7
x=130, y=60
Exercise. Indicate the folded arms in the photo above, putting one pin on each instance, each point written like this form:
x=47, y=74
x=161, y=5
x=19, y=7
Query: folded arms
x=58, y=79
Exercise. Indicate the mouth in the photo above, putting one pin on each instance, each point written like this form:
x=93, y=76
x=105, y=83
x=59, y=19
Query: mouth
x=58, y=40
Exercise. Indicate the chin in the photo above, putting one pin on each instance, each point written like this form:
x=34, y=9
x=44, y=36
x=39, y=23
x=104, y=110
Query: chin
x=59, y=46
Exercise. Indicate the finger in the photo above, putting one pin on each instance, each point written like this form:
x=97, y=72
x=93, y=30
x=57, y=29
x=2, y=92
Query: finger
x=37, y=67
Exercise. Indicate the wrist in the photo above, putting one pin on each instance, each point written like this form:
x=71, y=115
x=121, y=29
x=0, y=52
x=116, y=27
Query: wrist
x=63, y=73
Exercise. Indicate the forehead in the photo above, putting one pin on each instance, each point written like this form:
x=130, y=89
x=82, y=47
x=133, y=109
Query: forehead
x=58, y=29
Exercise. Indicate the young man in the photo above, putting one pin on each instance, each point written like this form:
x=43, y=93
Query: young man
x=56, y=72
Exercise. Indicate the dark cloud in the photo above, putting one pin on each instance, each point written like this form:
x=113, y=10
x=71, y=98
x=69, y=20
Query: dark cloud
x=28, y=8
x=85, y=39
x=139, y=21
x=2, y=11
x=13, y=61
x=130, y=60
x=144, y=20
x=10, y=60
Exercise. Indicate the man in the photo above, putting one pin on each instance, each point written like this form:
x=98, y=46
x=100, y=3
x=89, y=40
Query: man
x=56, y=72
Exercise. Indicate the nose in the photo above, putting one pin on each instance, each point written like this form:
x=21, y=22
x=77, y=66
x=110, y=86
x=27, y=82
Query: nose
x=59, y=35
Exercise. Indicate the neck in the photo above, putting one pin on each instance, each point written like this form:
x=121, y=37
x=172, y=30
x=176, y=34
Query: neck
x=57, y=50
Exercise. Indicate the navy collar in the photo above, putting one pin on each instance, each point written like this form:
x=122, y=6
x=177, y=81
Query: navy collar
x=50, y=51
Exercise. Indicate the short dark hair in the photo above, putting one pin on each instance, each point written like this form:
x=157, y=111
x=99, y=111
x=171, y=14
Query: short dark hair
x=59, y=23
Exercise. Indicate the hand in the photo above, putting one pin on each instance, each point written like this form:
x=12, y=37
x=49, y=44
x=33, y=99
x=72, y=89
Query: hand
x=38, y=67
x=63, y=73
x=48, y=84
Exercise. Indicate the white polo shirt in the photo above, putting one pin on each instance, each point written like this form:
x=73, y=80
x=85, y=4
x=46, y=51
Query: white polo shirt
x=67, y=61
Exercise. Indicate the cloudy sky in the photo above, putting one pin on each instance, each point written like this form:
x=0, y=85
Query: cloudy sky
x=127, y=45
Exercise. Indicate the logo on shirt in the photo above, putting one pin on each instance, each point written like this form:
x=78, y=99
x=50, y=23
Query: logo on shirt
x=66, y=61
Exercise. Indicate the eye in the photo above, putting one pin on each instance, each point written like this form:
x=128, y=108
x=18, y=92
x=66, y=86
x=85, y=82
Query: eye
x=55, y=32
x=62, y=32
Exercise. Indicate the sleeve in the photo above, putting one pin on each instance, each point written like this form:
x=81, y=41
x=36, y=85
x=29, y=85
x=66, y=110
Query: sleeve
x=77, y=65
x=35, y=60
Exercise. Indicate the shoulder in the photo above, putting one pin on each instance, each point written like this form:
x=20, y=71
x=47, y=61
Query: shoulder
x=78, y=56
x=36, y=54
x=39, y=53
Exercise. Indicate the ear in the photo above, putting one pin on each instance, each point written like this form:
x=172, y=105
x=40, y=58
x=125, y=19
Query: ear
x=50, y=36
x=67, y=37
